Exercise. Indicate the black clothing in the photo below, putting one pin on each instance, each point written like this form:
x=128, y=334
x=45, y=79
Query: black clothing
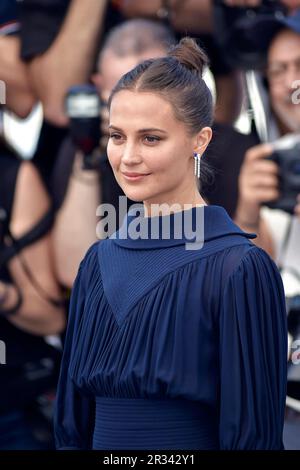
x=31, y=364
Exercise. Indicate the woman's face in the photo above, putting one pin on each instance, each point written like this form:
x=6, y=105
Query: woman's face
x=150, y=151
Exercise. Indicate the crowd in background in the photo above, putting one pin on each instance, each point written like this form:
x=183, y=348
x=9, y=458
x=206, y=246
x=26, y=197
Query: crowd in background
x=50, y=51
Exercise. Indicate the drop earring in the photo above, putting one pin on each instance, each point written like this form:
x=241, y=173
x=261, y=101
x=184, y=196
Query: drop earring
x=197, y=160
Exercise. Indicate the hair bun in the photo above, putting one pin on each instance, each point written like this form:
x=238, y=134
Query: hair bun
x=190, y=55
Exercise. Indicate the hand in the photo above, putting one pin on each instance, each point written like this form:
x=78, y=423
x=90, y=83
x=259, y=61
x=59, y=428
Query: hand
x=258, y=180
x=258, y=183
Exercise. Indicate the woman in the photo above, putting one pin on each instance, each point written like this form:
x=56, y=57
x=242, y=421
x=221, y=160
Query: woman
x=170, y=347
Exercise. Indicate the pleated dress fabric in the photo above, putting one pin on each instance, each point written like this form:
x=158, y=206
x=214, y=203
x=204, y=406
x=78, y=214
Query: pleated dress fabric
x=174, y=348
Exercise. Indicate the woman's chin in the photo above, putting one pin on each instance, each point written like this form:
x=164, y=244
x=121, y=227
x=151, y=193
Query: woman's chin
x=134, y=194
x=134, y=198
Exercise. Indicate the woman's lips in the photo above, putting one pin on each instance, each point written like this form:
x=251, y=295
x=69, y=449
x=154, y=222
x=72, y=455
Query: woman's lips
x=134, y=176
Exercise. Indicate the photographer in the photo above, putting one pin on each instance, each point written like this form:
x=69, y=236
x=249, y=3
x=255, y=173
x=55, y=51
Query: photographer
x=26, y=314
x=27, y=281
x=259, y=177
x=261, y=182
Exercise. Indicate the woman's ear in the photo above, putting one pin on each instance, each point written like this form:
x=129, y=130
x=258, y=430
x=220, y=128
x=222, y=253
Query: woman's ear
x=202, y=140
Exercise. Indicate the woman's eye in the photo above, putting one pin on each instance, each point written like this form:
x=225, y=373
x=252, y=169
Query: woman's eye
x=152, y=139
x=116, y=137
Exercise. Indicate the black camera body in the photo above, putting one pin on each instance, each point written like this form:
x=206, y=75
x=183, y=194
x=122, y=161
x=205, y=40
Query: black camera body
x=288, y=161
x=237, y=33
x=83, y=107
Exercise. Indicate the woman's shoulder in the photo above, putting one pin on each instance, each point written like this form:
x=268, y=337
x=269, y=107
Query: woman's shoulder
x=91, y=257
x=251, y=254
x=88, y=274
x=240, y=261
x=88, y=264
x=246, y=261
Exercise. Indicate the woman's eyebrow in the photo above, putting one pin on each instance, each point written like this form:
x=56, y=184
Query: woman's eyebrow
x=148, y=129
x=152, y=129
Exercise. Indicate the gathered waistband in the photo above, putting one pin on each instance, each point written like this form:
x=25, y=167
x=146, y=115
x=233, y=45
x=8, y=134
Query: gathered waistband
x=140, y=423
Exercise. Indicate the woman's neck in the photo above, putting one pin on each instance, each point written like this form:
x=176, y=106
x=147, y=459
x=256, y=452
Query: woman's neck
x=168, y=206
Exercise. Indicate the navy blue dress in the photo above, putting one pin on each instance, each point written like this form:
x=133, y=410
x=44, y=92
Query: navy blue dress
x=174, y=348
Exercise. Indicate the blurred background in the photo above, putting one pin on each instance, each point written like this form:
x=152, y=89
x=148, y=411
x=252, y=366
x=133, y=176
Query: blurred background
x=59, y=61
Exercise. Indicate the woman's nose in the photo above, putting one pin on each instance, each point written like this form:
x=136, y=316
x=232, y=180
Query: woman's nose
x=130, y=154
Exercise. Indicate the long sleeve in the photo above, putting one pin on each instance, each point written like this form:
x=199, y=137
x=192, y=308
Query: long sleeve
x=253, y=356
x=74, y=412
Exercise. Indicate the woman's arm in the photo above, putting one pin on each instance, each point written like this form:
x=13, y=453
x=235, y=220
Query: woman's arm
x=253, y=356
x=36, y=315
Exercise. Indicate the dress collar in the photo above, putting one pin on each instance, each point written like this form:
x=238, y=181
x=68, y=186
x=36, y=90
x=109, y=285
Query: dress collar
x=195, y=225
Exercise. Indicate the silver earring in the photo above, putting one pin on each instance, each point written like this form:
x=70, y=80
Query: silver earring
x=197, y=160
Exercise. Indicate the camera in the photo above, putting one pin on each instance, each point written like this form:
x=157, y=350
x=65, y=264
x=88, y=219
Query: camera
x=83, y=107
x=237, y=31
x=288, y=161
